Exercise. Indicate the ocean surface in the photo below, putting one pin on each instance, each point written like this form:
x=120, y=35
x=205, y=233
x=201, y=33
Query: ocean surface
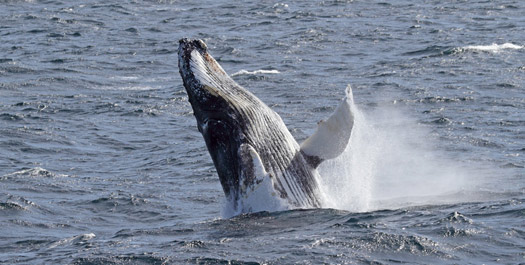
x=101, y=161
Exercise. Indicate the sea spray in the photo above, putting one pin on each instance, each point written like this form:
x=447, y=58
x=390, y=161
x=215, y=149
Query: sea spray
x=347, y=181
x=390, y=162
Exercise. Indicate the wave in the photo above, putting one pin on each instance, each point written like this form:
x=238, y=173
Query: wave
x=127, y=88
x=256, y=72
x=76, y=240
x=437, y=51
x=36, y=172
x=493, y=47
x=10, y=202
x=144, y=258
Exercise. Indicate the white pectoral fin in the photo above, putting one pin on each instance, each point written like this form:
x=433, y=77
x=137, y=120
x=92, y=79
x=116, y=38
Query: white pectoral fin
x=332, y=136
x=254, y=175
x=253, y=166
x=256, y=185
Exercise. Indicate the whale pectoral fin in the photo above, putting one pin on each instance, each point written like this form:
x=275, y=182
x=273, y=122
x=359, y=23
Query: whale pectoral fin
x=332, y=136
x=252, y=169
x=257, y=191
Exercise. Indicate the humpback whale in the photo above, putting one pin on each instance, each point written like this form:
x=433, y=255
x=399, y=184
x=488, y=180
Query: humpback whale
x=260, y=165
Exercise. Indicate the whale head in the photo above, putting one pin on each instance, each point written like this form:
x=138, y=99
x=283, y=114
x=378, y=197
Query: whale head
x=201, y=75
x=219, y=105
x=210, y=90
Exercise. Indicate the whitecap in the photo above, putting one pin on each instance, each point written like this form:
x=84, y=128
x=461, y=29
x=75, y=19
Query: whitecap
x=36, y=172
x=137, y=88
x=256, y=72
x=125, y=77
x=494, y=47
x=128, y=88
x=78, y=239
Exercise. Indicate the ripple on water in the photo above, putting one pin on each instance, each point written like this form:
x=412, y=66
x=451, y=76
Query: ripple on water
x=101, y=161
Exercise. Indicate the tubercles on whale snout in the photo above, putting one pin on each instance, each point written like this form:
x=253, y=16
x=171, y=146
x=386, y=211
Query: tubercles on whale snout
x=189, y=44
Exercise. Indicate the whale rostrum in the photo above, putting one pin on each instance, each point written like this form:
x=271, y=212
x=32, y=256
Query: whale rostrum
x=259, y=163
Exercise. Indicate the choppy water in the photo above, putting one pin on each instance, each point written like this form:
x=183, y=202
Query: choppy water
x=101, y=161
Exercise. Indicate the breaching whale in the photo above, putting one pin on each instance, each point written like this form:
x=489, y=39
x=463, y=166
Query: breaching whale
x=260, y=165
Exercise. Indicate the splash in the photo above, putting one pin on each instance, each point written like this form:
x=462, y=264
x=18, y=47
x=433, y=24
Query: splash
x=347, y=180
x=256, y=72
x=494, y=47
x=390, y=162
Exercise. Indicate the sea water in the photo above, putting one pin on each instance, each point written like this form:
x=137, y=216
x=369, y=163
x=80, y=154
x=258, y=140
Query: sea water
x=101, y=161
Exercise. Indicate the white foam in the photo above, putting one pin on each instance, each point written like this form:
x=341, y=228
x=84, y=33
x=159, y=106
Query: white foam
x=125, y=77
x=136, y=88
x=347, y=180
x=494, y=47
x=390, y=162
x=125, y=88
x=36, y=172
x=73, y=240
x=256, y=72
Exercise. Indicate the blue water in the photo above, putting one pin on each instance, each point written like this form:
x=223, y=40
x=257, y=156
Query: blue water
x=101, y=161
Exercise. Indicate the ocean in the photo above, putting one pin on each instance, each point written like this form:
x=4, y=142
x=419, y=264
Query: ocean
x=101, y=161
